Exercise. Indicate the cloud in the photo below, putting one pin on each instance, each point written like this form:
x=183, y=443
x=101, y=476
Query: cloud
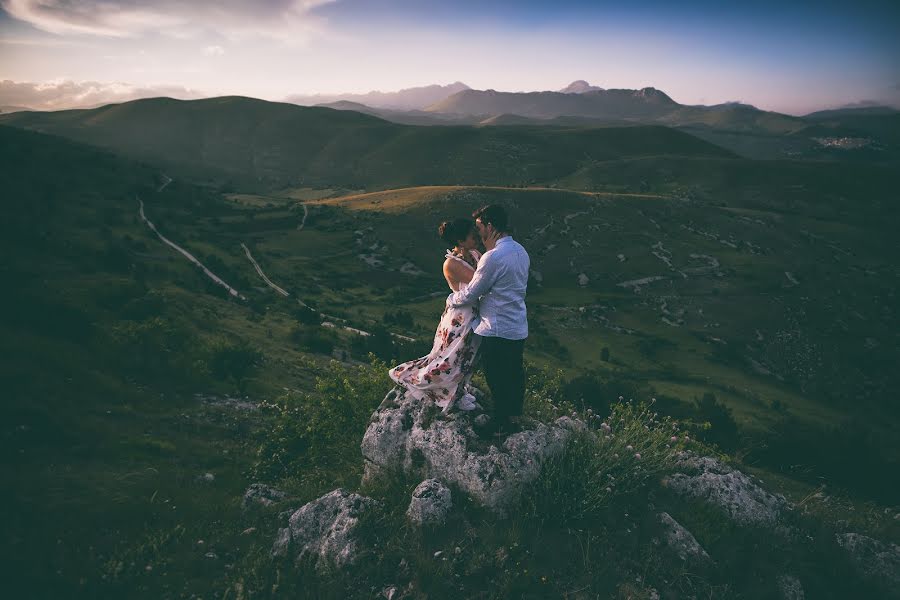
x=213, y=51
x=863, y=104
x=63, y=94
x=283, y=19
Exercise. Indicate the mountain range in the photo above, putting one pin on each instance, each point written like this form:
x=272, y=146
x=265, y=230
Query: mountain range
x=406, y=99
x=259, y=144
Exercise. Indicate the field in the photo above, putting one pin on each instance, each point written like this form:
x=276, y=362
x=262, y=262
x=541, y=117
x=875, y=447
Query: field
x=768, y=284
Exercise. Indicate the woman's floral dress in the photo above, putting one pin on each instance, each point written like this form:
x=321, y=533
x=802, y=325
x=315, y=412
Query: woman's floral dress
x=443, y=374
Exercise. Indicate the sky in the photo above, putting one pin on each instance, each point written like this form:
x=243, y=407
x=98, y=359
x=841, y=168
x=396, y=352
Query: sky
x=788, y=56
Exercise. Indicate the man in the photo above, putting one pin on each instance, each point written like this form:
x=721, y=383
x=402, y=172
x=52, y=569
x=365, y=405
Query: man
x=499, y=283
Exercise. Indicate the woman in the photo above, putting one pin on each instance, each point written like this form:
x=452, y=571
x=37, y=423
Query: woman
x=444, y=373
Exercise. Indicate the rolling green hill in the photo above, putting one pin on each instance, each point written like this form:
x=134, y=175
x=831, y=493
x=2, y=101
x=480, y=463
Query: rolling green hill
x=264, y=145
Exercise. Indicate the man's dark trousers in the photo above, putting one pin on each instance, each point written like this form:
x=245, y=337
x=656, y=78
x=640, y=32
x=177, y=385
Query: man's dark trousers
x=502, y=362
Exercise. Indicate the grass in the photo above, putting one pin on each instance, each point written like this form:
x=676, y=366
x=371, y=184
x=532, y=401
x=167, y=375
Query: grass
x=105, y=434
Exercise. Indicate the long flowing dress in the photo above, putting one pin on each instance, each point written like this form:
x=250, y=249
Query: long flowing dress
x=444, y=373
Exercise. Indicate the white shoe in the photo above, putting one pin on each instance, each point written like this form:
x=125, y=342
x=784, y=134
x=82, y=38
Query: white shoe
x=467, y=403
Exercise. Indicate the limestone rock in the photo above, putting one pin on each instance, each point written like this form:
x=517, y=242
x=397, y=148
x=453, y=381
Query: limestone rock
x=406, y=434
x=875, y=561
x=431, y=503
x=682, y=542
x=709, y=480
x=790, y=588
x=260, y=494
x=326, y=529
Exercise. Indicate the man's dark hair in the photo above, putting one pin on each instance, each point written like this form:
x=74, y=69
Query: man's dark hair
x=493, y=214
x=456, y=231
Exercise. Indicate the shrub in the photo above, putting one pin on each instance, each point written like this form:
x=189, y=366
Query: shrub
x=234, y=362
x=306, y=315
x=313, y=340
x=723, y=430
x=616, y=456
x=319, y=432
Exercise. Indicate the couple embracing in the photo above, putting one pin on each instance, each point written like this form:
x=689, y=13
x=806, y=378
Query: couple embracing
x=484, y=320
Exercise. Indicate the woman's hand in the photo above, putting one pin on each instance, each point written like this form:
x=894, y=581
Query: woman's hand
x=490, y=240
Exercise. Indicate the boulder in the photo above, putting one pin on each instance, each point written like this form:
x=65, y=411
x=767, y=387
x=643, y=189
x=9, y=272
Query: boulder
x=682, y=542
x=709, y=480
x=876, y=562
x=260, y=494
x=431, y=503
x=326, y=529
x=408, y=435
x=790, y=588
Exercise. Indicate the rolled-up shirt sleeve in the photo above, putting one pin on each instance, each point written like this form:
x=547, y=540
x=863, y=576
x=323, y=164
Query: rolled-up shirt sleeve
x=484, y=278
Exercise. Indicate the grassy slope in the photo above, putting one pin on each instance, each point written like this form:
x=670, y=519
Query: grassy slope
x=111, y=472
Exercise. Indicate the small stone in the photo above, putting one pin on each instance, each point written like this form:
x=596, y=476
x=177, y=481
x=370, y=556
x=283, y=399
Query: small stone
x=431, y=503
x=260, y=494
x=211, y=555
x=790, y=588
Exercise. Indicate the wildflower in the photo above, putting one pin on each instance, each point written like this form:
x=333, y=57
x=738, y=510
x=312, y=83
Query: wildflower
x=674, y=438
x=629, y=447
x=637, y=455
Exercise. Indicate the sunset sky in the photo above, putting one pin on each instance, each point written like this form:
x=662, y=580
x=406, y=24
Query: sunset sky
x=787, y=56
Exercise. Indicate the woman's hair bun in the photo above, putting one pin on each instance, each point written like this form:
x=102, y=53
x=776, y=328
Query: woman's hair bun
x=456, y=230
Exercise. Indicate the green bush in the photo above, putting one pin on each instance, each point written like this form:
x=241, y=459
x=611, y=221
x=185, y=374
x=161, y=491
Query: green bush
x=615, y=457
x=320, y=431
x=316, y=340
x=234, y=362
x=723, y=430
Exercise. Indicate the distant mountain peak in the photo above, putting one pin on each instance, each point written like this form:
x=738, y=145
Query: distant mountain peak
x=580, y=86
x=414, y=98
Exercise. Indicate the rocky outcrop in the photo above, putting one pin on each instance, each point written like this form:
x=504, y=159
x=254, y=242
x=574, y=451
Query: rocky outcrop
x=790, y=588
x=682, y=542
x=260, y=494
x=875, y=561
x=709, y=480
x=409, y=435
x=327, y=530
x=431, y=503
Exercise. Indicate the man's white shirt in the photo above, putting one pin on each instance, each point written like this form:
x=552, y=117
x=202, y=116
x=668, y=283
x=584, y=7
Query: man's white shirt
x=500, y=282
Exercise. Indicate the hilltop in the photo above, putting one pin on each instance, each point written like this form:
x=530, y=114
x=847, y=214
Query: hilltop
x=264, y=145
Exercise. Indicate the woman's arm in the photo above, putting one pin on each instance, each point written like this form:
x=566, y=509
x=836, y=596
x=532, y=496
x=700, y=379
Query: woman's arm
x=455, y=273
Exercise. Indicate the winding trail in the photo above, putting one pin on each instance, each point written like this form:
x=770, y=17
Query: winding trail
x=167, y=181
x=185, y=253
x=263, y=275
x=305, y=214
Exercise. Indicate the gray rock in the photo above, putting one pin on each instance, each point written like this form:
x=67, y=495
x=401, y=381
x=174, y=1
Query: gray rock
x=431, y=503
x=682, y=542
x=407, y=435
x=326, y=529
x=875, y=561
x=260, y=494
x=282, y=544
x=790, y=588
x=709, y=480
